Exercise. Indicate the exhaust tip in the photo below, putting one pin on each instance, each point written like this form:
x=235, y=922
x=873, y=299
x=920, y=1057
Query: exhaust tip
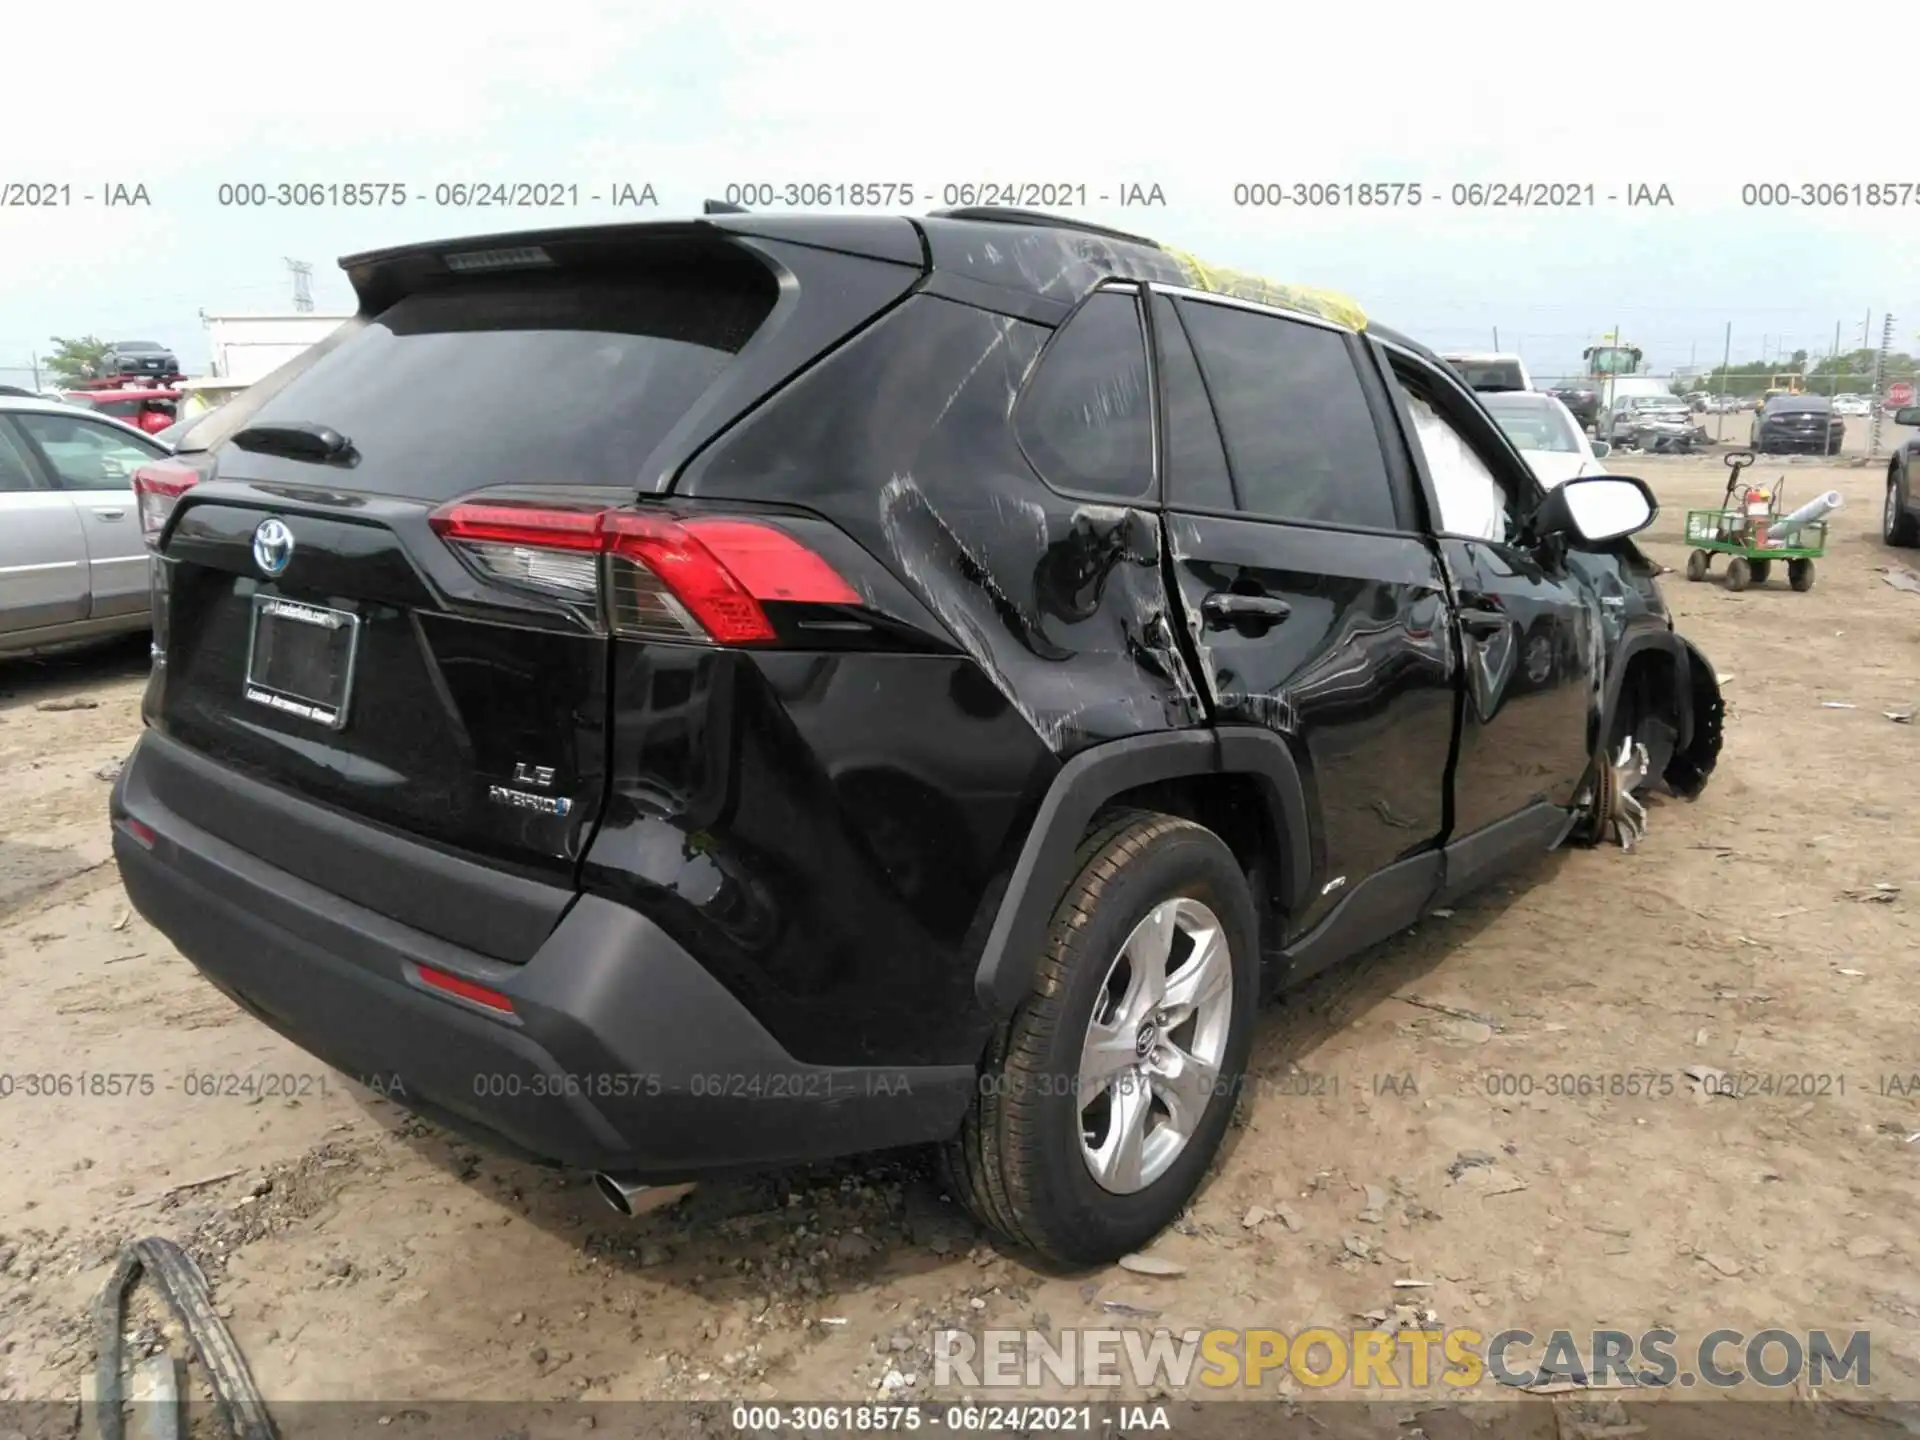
x=622, y=1195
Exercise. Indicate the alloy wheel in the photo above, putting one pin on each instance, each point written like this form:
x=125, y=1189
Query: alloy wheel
x=1150, y=1064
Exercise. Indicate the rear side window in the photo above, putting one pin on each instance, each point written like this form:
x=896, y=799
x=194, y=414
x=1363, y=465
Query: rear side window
x=561, y=381
x=1196, y=465
x=1301, y=443
x=1085, y=419
x=86, y=455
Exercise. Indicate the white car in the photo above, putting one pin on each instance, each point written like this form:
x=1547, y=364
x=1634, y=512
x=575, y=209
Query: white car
x=1547, y=436
x=1851, y=405
x=73, y=562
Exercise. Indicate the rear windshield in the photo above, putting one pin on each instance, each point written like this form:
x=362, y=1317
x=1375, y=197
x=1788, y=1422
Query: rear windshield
x=1533, y=426
x=521, y=381
x=1495, y=375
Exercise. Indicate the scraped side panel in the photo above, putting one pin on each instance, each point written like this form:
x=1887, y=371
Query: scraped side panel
x=903, y=440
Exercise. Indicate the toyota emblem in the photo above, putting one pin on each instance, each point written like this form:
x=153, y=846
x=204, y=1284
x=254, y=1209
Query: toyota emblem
x=272, y=546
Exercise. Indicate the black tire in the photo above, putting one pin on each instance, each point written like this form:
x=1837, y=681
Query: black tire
x=1697, y=564
x=1760, y=570
x=1017, y=1163
x=1898, y=525
x=1739, y=572
x=1800, y=574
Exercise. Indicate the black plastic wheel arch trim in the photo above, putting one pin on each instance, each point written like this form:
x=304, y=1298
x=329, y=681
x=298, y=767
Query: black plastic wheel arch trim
x=1087, y=783
x=1668, y=642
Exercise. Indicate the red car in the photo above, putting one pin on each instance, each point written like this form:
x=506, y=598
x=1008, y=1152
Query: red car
x=151, y=410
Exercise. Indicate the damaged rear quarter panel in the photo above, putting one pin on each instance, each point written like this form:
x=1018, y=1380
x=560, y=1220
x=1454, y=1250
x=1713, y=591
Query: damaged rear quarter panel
x=902, y=439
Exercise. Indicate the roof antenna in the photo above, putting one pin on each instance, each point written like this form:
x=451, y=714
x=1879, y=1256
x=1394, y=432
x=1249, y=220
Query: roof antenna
x=721, y=207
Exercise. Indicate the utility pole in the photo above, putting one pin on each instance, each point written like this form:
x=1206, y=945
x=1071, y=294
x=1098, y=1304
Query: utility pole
x=1833, y=385
x=1879, y=382
x=34, y=361
x=1726, y=363
x=1612, y=372
x=302, y=285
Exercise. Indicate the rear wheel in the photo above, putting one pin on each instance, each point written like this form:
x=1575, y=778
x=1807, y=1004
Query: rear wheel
x=1739, y=572
x=1106, y=1095
x=1760, y=569
x=1800, y=574
x=1697, y=564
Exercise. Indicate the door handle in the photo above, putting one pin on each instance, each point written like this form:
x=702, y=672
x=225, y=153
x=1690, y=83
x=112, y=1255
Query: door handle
x=120, y=514
x=1223, y=607
x=1483, y=622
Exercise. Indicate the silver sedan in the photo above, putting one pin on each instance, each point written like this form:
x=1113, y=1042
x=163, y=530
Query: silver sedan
x=73, y=563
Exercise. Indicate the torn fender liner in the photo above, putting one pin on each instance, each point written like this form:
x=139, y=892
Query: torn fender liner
x=1327, y=304
x=173, y=1270
x=1691, y=765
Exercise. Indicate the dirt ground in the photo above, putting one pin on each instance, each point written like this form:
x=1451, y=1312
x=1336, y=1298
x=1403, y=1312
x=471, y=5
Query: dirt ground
x=363, y=1255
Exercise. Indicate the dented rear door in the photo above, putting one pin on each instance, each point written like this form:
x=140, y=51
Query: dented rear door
x=1312, y=606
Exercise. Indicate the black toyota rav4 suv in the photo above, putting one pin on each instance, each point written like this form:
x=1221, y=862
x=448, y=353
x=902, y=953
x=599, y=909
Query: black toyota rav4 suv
x=674, y=698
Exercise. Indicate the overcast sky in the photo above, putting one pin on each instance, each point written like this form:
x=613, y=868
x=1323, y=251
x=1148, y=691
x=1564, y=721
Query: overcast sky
x=690, y=97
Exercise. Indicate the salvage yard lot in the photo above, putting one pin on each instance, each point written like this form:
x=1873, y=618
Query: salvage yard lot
x=1499, y=1103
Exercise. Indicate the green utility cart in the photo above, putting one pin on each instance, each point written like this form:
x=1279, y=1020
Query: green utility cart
x=1740, y=529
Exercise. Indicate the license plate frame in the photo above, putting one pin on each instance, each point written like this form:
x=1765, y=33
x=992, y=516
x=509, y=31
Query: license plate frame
x=328, y=711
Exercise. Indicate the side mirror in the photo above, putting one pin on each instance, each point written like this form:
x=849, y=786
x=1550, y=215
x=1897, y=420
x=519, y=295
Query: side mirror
x=1601, y=449
x=1595, y=509
x=1907, y=415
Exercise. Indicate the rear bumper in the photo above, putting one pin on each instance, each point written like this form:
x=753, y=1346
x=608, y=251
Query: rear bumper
x=1798, y=444
x=621, y=1053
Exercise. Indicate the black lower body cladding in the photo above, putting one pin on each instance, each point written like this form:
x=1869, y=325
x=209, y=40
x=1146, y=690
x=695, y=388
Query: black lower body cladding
x=620, y=1053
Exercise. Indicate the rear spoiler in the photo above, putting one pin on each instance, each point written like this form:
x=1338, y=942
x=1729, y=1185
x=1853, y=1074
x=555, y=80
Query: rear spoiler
x=381, y=277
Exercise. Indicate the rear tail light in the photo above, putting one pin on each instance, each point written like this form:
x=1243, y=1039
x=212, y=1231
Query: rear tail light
x=653, y=577
x=158, y=488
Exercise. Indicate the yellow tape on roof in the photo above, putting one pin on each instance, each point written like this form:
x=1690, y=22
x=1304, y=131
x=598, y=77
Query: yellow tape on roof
x=1328, y=304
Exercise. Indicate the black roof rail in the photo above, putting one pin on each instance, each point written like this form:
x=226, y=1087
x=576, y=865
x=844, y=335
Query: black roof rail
x=1009, y=215
x=721, y=207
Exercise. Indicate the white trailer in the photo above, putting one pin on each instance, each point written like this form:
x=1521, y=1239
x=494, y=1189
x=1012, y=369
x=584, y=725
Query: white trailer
x=247, y=348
